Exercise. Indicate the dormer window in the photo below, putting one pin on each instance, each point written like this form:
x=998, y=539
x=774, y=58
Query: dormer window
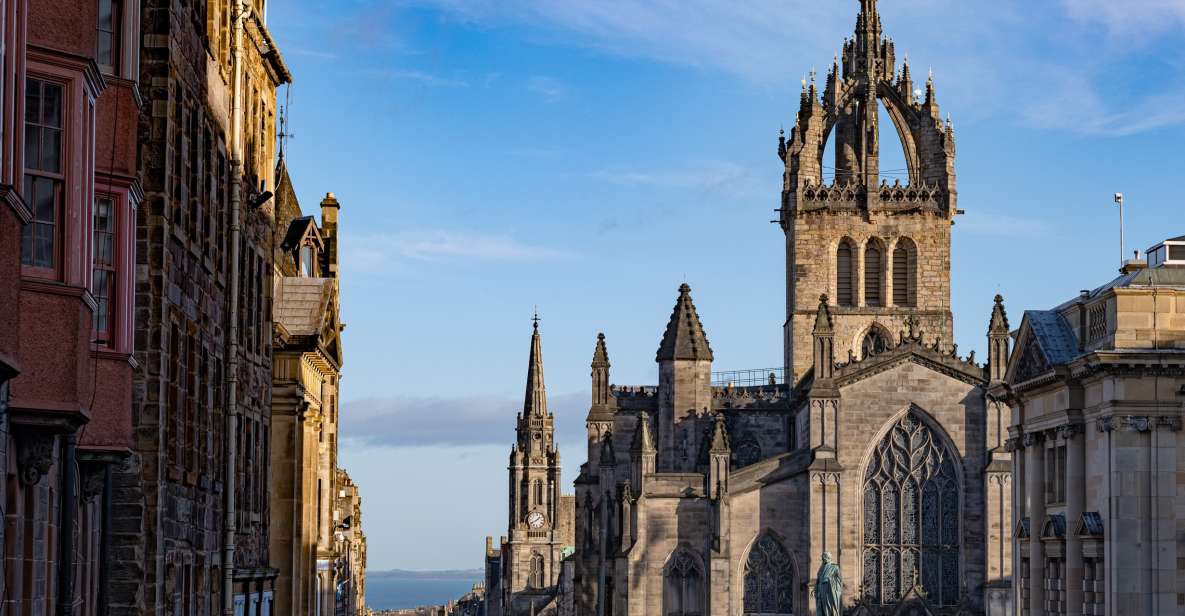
x=308, y=260
x=1169, y=252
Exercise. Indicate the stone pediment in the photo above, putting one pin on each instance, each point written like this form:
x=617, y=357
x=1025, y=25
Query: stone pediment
x=910, y=348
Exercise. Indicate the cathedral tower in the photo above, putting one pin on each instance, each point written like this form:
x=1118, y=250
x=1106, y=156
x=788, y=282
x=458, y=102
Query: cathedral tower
x=532, y=555
x=880, y=250
x=684, y=387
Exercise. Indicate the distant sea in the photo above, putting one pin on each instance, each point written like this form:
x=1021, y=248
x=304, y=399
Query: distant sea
x=398, y=589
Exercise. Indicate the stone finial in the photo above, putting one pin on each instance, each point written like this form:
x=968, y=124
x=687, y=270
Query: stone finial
x=684, y=337
x=823, y=322
x=643, y=439
x=720, y=442
x=608, y=455
x=999, y=321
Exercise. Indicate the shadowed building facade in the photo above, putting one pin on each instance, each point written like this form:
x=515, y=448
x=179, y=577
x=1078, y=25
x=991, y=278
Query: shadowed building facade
x=1097, y=389
x=883, y=447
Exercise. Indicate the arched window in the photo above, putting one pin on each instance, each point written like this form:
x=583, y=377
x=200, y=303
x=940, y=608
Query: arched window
x=911, y=516
x=874, y=343
x=905, y=276
x=872, y=275
x=683, y=587
x=535, y=573
x=769, y=578
x=747, y=452
x=845, y=275
x=538, y=492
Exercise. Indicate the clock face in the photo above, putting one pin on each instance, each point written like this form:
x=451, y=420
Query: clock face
x=535, y=520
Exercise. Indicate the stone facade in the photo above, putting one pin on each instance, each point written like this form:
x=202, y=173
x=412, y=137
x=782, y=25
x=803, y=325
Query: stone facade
x=193, y=500
x=523, y=572
x=310, y=497
x=1097, y=389
x=883, y=449
x=68, y=201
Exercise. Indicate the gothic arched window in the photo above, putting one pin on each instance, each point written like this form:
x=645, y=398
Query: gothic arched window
x=769, y=578
x=874, y=343
x=905, y=275
x=872, y=275
x=538, y=492
x=535, y=573
x=845, y=274
x=747, y=452
x=683, y=587
x=911, y=516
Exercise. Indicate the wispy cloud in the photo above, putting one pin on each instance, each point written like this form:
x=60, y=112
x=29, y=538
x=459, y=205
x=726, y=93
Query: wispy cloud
x=994, y=47
x=715, y=177
x=548, y=88
x=377, y=251
x=1129, y=17
x=422, y=77
x=319, y=54
x=980, y=222
x=436, y=421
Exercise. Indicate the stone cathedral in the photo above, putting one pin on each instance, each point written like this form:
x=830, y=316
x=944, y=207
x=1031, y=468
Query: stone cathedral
x=881, y=446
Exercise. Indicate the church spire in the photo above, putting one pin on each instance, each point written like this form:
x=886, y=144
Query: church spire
x=998, y=341
x=684, y=337
x=535, y=403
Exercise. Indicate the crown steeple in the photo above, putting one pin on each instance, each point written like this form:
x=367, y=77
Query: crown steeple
x=684, y=337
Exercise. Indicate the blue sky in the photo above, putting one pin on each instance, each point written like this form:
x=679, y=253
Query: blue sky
x=588, y=157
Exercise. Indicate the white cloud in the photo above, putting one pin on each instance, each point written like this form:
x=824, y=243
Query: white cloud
x=548, y=88
x=375, y=252
x=1129, y=17
x=433, y=421
x=980, y=222
x=427, y=79
x=991, y=58
x=716, y=177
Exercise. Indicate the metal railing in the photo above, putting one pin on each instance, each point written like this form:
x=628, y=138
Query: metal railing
x=754, y=377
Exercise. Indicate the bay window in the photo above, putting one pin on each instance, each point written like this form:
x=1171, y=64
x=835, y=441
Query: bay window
x=44, y=177
x=103, y=286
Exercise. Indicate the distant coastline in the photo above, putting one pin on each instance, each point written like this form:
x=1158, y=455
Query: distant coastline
x=407, y=574
x=394, y=589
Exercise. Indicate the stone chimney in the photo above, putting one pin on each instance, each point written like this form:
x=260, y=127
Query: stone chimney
x=329, y=211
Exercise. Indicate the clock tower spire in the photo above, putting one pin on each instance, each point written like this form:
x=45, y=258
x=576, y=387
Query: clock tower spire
x=532, y=555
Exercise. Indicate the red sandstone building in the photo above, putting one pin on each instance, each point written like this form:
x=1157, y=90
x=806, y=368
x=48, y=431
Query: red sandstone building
x=68, y=126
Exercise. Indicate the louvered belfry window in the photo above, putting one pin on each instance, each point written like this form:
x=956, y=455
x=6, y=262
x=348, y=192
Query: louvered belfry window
x=904, y=274
x=845, y=285
x=872, y=276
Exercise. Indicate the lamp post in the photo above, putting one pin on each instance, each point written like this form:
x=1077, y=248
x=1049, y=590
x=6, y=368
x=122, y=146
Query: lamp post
x=1122, y=251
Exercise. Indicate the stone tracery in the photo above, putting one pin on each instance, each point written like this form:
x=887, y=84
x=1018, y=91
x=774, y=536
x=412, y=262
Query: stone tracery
x=911, y=516
x=769, y=578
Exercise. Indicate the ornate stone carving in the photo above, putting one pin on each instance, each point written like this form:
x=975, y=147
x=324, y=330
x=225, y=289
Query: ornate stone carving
x=35, y=450
x=92, y=479
x=769, y=578
x=1069, y=431
x=1032, y=438
x=911, y=516
x=1138, y=423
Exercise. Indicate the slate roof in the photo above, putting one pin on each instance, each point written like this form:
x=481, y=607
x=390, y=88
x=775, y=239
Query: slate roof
x=296, y=230
x=684, y=337
x=301, y=304
x=1091, y=524
x=1053, y=333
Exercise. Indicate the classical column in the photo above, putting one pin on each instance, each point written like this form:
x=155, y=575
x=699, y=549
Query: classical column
x=1035, y=497
x=1075, y=501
